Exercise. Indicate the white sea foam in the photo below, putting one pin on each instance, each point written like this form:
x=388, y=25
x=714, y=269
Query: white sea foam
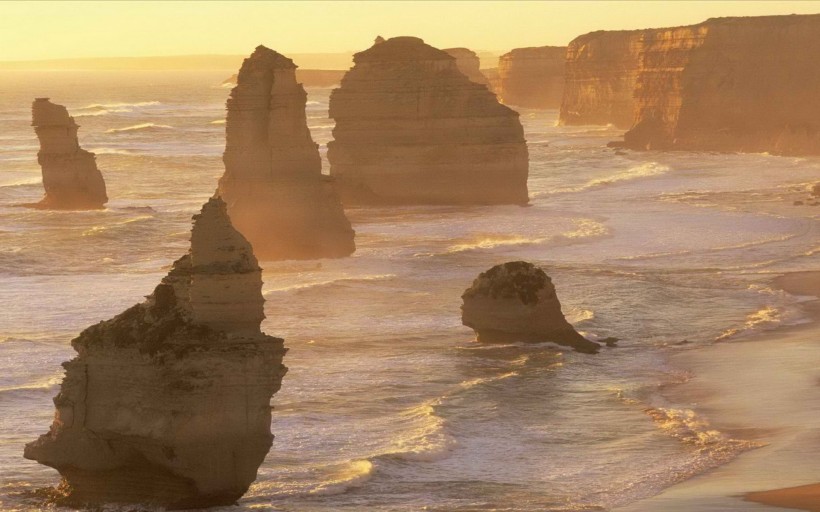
x=141, y=127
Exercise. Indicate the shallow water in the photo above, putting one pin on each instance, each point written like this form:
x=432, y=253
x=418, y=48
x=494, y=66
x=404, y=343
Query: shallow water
x=389, y=404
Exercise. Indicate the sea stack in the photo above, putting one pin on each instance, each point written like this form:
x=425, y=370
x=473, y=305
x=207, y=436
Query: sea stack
x=533, y=77
x=413, y=129
x=273, y=184
x=70, y=175
x=600, y=75
x=168, y=403
x=730, y=84
x=468, y=63
x=516, y=302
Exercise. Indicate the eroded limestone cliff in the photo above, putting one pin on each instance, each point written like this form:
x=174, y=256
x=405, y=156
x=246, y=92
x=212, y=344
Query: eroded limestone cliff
x=413, y=129
x=469, y=64
x=273, y=183
x=600, y=75
x=168, y=403
x=532, y=77
x=516, y=302
x=70, y=175
x=731, y=84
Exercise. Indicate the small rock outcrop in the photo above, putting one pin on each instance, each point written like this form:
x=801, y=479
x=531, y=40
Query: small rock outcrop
x=411, y=128
x=273, y=184
x=70, y=175
x=168, y=403
x=469, y=64
x=599, y=79
x=532, y=77
x=516, y=302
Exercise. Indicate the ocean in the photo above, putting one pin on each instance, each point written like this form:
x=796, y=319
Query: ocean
x=390, y=404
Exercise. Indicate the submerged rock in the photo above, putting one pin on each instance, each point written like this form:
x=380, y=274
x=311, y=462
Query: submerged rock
x=70, y=175
x=168, y=403
x=273, y=184
x=516, y=302
x=411, y=128
x=533, y=77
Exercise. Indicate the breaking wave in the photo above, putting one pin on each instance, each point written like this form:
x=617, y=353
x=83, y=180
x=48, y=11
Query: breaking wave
x=141, y=127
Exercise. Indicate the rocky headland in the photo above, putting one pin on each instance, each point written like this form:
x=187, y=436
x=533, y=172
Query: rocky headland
x=70, y=175
x=411, y=128
x=517, y=302
x=601, y=71
x=168, y=403
x=273, y=184
x=469, y=64
x=728, y=84
x=532, y=77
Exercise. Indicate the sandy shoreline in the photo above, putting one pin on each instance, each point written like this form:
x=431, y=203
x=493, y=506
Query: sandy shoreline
x=772, y=397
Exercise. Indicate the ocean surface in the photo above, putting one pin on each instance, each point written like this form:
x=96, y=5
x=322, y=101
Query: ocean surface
x=389, y=403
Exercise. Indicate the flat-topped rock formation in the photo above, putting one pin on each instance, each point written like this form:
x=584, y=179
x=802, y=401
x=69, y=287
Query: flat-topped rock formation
x=532, y=77
x=731, y=84
x=168, y=403
x=600, y=75
x=70, y=175
x=307, y=77
x=413, y=129
x=469, y=64
x=516, y=302
x=273, y=183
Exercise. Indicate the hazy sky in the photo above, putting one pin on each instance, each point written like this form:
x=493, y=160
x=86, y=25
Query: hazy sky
x=43, y=30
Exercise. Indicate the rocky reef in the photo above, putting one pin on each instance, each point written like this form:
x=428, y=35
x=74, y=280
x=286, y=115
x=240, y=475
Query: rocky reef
x=411, y=128
x=730, y=84
x=599, y=82
x=516, y=302
x=168, y=403
x=70, y=175
x=469, y=64
x=273, y=184
x=532, y=77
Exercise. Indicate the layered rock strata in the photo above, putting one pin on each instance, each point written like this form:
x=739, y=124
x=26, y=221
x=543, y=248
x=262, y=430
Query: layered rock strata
x=599, y=78
x=532, y=77
x=70, y=175
x=516, y=302
x=168, y=403
x=468, y=63
x=411, y=128
x=730, y=84
x=273, y=183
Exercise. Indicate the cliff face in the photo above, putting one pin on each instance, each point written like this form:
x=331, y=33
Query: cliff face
x=533, y=77
x=469, y=64
x=273, y=183
x=600, y=76
x=516, y=302
x=168, y=403
x=70, y=175
x=412, y=129
x=731, y=84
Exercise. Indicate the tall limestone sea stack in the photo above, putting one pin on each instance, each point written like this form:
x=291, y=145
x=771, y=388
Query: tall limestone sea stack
x=516, y=302
x=273, y=184
x=168, y=403
x=413, y=129
x=70, y=175
x=469, y=64
x=532, y=77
